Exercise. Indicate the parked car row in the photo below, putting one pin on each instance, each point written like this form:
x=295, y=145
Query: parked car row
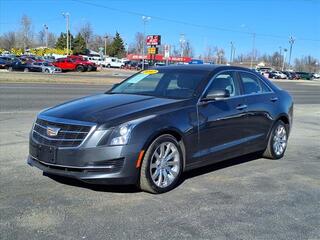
x=270, y=73
x=29, y=63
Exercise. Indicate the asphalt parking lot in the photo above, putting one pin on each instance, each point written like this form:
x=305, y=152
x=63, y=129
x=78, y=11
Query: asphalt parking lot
x=243, y=198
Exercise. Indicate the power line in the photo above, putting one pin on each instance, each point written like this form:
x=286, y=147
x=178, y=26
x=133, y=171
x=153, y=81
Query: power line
x=190, y=24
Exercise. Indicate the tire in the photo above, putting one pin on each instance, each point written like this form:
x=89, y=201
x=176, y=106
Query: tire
x=89, y=69
x=80, y=68
x=165, y=176
x=108, y=66
x=46, y=71
x=26, y=70
x=10, y=69
x=277, y=143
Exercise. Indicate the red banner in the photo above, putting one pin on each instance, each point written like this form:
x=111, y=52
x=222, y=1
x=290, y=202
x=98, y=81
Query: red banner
x=159, y=57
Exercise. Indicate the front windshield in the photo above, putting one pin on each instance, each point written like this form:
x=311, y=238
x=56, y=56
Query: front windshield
x=162, y=83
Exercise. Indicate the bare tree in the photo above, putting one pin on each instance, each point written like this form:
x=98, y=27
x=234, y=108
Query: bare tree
x=42, y=37
x=209, y=54
x=8, y=40
x=187, y=50
x=220, y=54
x=307, y=64
x=26, y=33
x=138, y=44
x=96, y=42
x=51, y=40
x=175, y=51
x=86, y=31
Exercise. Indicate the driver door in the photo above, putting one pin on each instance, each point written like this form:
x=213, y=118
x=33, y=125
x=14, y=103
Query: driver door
x=222, y=122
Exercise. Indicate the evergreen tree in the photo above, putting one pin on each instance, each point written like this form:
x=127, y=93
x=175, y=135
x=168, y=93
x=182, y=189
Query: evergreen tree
x=62, y=41
x=116, y=48
x=79, y=45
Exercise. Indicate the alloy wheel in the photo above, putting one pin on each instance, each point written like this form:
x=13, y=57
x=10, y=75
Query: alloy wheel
x=279, y=140
x=165, y=164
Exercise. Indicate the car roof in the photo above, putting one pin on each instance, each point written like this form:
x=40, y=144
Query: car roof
x=202, y=67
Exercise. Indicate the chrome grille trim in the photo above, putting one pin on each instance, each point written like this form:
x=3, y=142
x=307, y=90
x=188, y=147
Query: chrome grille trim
x=72, y=134
x=58, y=139
x=63, y=131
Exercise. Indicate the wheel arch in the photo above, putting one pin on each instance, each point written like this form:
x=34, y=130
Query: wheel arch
x=284, y=118
x=171, y=131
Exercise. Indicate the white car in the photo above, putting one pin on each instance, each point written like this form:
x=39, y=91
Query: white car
x=278, y=75
x=97, y=60
x=47, y=67
x=316, y=75
x=111, y=62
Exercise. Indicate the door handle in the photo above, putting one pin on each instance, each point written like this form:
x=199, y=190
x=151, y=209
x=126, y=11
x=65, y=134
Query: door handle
x=274, y=99
x=241, y=107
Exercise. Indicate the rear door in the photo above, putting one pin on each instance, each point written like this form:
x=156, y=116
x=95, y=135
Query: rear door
x=221, y=122
x=260, y=101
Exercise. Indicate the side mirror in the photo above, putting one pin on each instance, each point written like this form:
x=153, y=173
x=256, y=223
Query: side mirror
x=216, y=95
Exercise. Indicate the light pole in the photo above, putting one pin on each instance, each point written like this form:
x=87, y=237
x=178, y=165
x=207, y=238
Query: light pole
x=145, y=19
x=66, y=16
x=291, y=42
x=46, y=33
x=105, y=45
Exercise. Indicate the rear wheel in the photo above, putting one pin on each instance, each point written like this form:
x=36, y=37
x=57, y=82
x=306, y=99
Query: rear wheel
x=26, y=70
x=277, y=143
x=89, y=68
x=108, y=66
x=79, y=68
x=162, y=165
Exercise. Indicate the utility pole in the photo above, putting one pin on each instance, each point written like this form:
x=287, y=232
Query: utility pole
x=291, y=42
x=145, y=19
x=231, y=52
x=284, y=58
x=253, y=49
x=105, y=45
x=66, y=16
x=46, y=33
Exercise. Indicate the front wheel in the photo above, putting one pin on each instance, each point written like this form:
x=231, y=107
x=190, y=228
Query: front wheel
x=162, y=165
x=277, y=143
x=79, y=68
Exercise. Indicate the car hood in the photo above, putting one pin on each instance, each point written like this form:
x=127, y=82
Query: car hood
x=102, y=108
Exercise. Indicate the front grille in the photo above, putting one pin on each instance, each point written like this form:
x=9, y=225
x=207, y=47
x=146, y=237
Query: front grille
x=69, y=135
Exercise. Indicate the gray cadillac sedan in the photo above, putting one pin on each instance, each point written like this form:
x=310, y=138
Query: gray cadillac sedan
x=159, y=123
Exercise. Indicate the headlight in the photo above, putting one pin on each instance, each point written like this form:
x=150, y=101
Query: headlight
x=121, y=134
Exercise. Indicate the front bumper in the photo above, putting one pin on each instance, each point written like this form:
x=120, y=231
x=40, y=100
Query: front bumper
x=99, y=165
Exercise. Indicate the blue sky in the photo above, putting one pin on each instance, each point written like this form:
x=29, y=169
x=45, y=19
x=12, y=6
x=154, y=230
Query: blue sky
x=204, y=22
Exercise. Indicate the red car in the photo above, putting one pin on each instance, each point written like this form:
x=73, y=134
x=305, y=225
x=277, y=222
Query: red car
x=89, y=65
x=68, y=64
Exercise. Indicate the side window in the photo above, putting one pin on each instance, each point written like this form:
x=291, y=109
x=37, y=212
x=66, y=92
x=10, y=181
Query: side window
x=225, y=81
x=252, y=84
